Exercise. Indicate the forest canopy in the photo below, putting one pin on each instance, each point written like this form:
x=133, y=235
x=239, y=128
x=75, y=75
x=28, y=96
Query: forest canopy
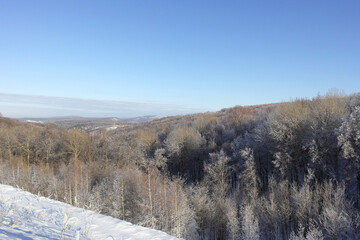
x=289, y=170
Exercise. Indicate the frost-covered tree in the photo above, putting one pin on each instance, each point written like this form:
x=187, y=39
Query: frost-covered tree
x=288, y=127
x=276, y=210
x=349, y=140
x=336, y=217
x=249, y=178
x=232, y=215
x=182, y=217
x=126, y=197
x=203, y=206
x=185, y=146
x=305, y=202
x=250, y=225
x=217, y=174
x=313, y=233
x=326, y=116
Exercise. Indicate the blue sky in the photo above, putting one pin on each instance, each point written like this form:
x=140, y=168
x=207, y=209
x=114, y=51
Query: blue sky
x=194, y=55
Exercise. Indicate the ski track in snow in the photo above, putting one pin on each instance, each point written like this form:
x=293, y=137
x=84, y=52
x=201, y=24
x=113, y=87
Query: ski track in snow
x=27, y=216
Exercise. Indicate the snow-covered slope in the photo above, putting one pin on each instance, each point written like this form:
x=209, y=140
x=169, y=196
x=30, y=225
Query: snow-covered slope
x=27, y=216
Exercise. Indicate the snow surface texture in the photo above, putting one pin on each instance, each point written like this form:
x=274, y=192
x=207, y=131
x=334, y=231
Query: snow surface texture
x=27, y=216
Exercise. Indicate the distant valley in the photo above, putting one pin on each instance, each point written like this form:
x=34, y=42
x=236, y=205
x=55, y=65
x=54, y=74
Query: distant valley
x=89, y=124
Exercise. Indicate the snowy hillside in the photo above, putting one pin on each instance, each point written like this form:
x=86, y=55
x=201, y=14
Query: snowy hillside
x=27, y=216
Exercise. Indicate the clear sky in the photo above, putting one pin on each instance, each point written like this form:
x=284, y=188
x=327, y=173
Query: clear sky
x=199, y=55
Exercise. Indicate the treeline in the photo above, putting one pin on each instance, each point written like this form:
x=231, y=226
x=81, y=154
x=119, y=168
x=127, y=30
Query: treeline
x=279, y=171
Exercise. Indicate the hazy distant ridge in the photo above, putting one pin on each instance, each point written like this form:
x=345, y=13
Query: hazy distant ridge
x=70, y=118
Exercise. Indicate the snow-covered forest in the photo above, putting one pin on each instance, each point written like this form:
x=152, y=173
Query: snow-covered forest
x=279, y=171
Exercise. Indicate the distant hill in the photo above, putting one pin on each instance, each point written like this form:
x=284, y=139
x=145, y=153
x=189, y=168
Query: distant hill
x=77, y=118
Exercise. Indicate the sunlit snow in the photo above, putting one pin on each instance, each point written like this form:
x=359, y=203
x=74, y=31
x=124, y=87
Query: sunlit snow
x=27, y=216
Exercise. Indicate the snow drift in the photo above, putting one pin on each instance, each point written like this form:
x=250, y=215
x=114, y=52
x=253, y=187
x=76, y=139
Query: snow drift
x=27, y=216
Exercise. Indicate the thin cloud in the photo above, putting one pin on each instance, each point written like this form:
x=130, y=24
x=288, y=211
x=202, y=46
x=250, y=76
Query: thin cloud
x=18, y=105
